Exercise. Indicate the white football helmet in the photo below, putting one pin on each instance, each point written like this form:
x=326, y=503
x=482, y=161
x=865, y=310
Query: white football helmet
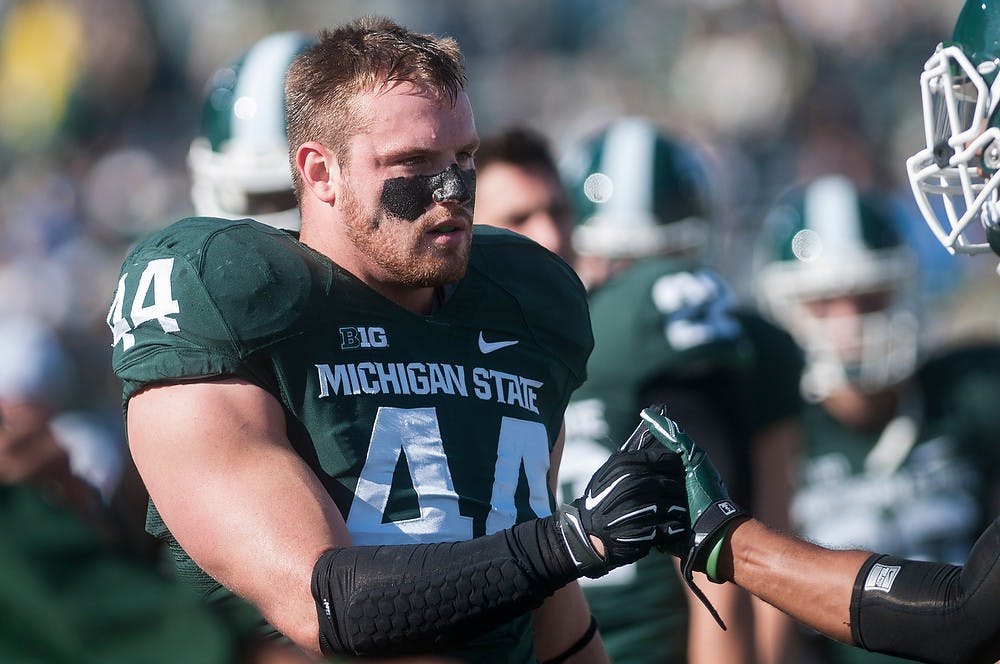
x=822, y=246
x=239, y=163
x=954, y=176
x=638, y=191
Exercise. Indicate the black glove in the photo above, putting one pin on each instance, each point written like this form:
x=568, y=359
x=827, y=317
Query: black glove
x=634, y=501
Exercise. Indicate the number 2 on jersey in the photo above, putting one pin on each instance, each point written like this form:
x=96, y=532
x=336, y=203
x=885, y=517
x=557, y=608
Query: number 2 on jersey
x=696, y=308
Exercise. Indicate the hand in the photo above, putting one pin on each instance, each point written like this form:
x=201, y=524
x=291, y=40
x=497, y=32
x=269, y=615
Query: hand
x=710, y=508
x=634, y=501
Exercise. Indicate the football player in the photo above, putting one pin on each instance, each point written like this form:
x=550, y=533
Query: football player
x=928, y=611
x=667, y=330
x=891, y=437
x=518, y=188
x=356, y=427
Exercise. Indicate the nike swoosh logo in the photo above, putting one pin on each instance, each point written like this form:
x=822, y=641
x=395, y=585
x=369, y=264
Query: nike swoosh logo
x=633, y=514
x=487, y=347
x=644, y=538
x=591, y=501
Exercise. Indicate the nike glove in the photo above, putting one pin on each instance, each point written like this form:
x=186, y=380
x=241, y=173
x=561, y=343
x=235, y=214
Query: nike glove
x=634, y=501
x=711, y=510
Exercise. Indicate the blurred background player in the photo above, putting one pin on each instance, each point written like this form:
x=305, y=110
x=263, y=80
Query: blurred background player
x=239, y=161
x=665, y=330
x=518, y=188
x=893, y=437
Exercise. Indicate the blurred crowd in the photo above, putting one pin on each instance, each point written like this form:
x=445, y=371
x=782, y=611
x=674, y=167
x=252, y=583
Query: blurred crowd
x=100, y=99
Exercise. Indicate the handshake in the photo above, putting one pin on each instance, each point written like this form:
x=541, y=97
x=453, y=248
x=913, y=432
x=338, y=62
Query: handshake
x=658, y=489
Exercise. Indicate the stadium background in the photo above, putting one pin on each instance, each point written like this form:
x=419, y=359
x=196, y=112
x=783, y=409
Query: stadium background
x=99, y=100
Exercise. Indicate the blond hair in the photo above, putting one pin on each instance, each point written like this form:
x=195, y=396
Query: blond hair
x=356, y=58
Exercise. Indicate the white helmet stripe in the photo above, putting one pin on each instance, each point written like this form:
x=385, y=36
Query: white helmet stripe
x=832, y=211
x=258, y=109
x=629, y=160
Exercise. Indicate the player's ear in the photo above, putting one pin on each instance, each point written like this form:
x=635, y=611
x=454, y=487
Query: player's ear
x=319, y=169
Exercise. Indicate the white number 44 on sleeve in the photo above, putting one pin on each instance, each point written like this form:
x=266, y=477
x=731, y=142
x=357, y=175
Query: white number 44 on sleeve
x=155, y=278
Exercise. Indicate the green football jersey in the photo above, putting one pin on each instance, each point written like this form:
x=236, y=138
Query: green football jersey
x=918, y=487
x=666, y=332
x=421, y=428
x=67, y=596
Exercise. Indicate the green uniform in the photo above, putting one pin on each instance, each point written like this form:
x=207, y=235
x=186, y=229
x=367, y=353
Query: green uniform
x=917, y=488
x=66, y=596
x=421, y=428
x=666, y=332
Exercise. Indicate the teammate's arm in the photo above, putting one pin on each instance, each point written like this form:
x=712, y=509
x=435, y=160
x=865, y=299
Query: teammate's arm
x=810, y=583
x=563, y=620
x=932, y=612
x=729, y=545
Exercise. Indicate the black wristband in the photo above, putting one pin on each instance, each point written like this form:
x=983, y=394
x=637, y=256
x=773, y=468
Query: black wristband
x=406, y=599
x=578, y=645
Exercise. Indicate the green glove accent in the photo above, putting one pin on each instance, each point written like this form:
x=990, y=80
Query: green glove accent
x=710, y=509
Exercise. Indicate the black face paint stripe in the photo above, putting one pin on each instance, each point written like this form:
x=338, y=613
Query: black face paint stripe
x=408, y=197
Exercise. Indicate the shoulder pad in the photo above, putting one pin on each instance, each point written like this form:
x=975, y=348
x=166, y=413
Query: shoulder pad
x=209, y=292
x=553, y=301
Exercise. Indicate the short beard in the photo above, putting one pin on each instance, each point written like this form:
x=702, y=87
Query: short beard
x=393, y=245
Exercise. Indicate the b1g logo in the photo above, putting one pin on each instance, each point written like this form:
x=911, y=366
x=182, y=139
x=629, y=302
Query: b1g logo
x=363, y=337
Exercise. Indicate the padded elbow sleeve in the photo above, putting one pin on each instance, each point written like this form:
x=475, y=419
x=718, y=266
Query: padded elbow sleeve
x=931, y=612
x=397, y=600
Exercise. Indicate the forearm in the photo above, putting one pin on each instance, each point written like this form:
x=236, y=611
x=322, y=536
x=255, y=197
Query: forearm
x=395, y=600
x=808, y=582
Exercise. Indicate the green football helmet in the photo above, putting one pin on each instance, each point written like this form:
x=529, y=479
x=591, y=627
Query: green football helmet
x=825, y=244
x=637, y=192
x=239, y=163
x=954, y=175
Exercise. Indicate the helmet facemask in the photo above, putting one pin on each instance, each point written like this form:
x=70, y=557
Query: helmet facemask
x=956, y=169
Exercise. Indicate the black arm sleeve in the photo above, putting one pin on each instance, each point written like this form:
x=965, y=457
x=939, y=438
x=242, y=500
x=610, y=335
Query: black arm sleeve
x=931, y=612
x=403, y=599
